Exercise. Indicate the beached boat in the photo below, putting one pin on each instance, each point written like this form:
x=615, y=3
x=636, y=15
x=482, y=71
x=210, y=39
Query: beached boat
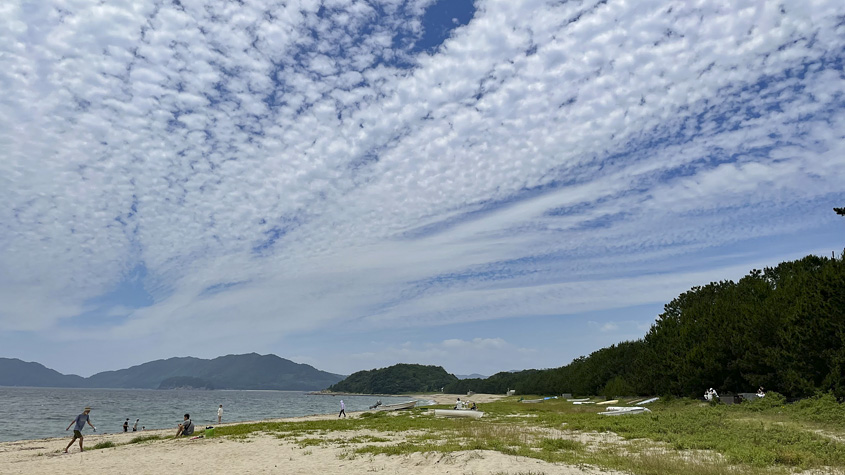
x=582, y=399
x=619, y=410
x=529, y=401
x=648, y=401
x=396, y=407
x=578, y=403
x=458, y=413
x=612, y=401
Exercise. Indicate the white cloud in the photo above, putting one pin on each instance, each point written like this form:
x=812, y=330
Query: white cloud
x=546, y=159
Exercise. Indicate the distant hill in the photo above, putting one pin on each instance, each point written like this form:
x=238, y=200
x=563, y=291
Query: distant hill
x=396, y=379
x=250, y=371
x=14, y=372
x=471, y=376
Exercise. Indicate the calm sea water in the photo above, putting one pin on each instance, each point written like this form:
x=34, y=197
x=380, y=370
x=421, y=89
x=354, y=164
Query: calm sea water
x=34, y=413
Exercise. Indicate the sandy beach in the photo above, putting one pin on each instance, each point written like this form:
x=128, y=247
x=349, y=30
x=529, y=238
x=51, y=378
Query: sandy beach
x=260, y=453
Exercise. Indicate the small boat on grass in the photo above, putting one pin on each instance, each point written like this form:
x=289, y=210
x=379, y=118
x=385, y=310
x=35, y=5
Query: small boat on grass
x=531, y=401
x=648, y=401
x=458, y=413
x=623, y=410
x=396, y=407
x=582, y=399
x=612, y=401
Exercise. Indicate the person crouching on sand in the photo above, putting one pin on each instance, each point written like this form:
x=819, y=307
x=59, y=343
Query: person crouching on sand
x=186, y=427
x=77, y=429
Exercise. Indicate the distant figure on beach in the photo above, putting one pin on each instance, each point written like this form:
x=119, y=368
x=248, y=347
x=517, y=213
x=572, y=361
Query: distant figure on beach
x=186, y=427
x=474, y=407
x=126, y=425
x=342, y=409
x=761, y=392
x=459, y=404
x=135, y=425
x=77, y=429
x=220, y=414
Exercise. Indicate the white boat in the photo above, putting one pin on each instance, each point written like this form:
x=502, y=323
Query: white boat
x=577, y=403
x=619, y=411
x=458, y=413
x=579, y=399
x=529, y=401
x=397, y=407
x=648, y=401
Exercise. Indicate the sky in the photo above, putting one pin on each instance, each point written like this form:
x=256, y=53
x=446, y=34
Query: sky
x=485, y=185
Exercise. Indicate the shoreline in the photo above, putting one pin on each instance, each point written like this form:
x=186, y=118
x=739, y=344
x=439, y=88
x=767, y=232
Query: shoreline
x=437, y=399
x=262, y=452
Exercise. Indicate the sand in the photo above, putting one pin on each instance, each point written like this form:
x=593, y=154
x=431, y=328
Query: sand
x=260, y=454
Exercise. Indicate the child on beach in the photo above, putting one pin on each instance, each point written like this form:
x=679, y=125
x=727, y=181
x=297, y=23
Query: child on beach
x=77, y=429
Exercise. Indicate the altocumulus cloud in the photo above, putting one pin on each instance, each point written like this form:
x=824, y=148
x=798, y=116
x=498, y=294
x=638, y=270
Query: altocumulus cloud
x=282, y=167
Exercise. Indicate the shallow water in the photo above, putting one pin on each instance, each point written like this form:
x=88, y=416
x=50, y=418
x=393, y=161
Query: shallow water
x=34, y=413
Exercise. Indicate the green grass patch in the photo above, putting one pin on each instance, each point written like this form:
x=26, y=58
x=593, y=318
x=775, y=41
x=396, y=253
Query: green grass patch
x=766, y=436
x=104, y=445
x=144, y=438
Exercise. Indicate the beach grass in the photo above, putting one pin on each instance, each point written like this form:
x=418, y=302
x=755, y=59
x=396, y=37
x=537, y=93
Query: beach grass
x=144, y=438
x=103, y=445
x=678, y=436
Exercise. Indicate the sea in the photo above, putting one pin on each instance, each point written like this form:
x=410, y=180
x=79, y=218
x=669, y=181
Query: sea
x=36, y=413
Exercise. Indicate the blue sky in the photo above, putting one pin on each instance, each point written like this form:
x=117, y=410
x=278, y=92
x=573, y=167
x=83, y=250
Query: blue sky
x=485, y=186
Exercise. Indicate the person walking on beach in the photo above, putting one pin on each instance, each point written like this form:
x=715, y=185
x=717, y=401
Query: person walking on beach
x=342, y=409
x=135, y=425
x=220, y=414
x=77, y=429
x=126, y=425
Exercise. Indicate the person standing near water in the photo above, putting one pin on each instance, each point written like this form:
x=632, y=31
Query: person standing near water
x=126, y=425
x=77, y=429
x=342, y=409
x=135, y=425
x=220, y=414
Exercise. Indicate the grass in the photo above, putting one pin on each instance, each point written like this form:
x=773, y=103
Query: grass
x=103, y=445
x=679, y=436
x=144, y=438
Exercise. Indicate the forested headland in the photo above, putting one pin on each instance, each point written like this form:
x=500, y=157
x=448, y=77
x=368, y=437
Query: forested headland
x=396, y=379
x=782, y=328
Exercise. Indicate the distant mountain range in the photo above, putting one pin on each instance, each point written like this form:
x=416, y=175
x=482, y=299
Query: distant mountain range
x=250, y=371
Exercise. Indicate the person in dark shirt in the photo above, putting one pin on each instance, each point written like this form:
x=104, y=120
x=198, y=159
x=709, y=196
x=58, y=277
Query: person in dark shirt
x=126, y=425
x=77, y=429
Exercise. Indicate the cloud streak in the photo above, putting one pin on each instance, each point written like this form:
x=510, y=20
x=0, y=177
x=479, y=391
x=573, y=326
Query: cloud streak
x=284, y=167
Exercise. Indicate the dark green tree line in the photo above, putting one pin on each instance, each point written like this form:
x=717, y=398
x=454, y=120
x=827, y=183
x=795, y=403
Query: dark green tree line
x=781, y=327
